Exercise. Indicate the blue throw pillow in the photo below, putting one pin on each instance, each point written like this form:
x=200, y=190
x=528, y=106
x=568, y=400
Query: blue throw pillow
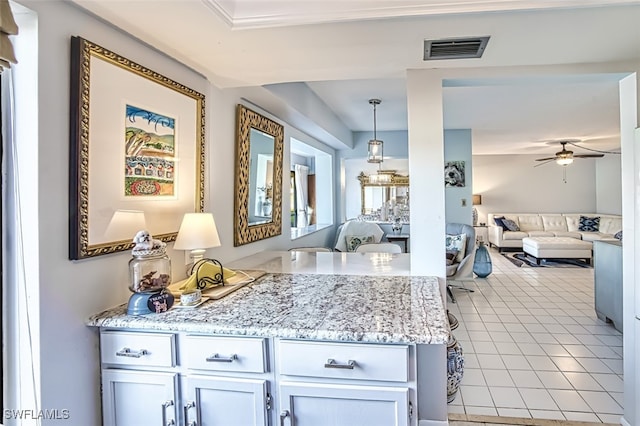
x=618, y=235
x=589, y=224
x=510, y=225
x=500, y=222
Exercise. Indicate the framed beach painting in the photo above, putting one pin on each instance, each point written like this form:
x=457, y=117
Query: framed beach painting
x=137, y=145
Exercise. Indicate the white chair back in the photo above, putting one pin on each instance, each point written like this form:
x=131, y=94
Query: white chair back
x=311, y=249
x=379, y=248
x=357, y=228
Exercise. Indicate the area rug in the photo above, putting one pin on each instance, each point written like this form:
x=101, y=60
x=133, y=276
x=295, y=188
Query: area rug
x=522, y=259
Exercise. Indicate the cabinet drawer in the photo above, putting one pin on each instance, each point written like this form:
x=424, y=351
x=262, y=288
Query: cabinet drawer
x=143, y=349
x=244, y=354
x=344, y=360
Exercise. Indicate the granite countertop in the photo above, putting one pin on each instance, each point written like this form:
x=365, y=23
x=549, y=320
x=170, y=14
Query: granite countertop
x=356, y=308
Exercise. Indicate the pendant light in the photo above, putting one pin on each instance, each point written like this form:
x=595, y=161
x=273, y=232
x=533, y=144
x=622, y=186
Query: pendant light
x=375, y=153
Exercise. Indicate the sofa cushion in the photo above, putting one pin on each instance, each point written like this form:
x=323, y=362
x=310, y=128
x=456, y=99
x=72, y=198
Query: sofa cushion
x=510, y=224
x=514, y=235
x=457, y=242
x=541, y=234
x=573, y=221
x=554, y=222
x=610, y=224
x=570, y=234
x=589, y=224
x=530, y=222
x=594, y=236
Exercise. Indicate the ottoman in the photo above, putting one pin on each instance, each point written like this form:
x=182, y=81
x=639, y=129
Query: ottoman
x=557, y=248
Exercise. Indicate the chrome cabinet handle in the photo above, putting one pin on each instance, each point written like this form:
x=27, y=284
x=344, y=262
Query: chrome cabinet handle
x=189, y=404
x=132, y=354
x=331, y=363
x=218, y=358
x=166, y=405
x=283, y=415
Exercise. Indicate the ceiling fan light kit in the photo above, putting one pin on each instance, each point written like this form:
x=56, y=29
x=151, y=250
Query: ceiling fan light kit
x=565, y=157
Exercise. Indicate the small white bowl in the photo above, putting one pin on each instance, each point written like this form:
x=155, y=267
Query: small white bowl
x=190, y=297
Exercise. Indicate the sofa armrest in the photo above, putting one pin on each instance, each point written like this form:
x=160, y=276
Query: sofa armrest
x=494, y=233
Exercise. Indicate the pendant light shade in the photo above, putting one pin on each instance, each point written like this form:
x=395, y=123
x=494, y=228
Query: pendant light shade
x=375, y=151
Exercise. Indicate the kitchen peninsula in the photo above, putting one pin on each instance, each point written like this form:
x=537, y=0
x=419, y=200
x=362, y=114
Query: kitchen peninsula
x=310, y=348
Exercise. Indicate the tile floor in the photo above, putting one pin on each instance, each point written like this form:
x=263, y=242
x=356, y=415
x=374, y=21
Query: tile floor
x=534, y=347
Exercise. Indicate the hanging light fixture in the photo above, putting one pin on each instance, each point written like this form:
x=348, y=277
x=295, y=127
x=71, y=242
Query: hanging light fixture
x=375, y=154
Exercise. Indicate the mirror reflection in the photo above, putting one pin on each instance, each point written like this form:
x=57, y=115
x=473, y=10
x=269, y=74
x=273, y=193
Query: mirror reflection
x=261, y=149
x=258, y=188
x=384, y=197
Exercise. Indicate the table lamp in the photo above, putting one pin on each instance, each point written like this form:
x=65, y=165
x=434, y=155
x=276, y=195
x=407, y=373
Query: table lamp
x=476, y=200
x=197, y=233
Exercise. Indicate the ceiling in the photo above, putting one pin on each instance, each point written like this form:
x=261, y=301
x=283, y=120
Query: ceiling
x=348, y=51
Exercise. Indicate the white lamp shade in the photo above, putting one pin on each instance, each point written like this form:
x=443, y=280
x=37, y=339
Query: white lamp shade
x=124, y=225
x=197, y=231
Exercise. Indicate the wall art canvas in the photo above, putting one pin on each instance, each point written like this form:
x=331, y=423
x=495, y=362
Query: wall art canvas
x=149, y=153
x=454, y=174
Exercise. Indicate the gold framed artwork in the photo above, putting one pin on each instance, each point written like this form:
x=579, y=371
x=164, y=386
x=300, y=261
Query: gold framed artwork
x=137, y=143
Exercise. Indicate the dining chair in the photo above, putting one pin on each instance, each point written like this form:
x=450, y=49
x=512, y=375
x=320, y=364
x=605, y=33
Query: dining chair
x=379, y=248
x=357, y=228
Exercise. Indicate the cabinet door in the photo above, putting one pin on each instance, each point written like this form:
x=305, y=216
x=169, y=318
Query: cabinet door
x=224, y=401
x=134, y=398
x=319, y=404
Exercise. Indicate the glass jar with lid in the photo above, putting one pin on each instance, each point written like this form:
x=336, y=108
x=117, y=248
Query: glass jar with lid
x=149, y=272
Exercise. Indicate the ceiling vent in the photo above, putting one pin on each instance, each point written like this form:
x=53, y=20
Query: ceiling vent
x=455, y=48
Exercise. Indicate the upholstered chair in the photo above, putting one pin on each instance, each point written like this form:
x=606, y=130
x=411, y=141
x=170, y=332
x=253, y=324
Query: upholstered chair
x=357, y=228
x=462, y=270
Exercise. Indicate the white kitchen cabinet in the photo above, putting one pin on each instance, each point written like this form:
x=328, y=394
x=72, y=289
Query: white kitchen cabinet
x=134, y=398
x=321, y=404
x=344, y=384
x=155, y=378
x=223, y=401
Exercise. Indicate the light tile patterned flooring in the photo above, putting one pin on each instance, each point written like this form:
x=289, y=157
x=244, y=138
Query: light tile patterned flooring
x=534, y=347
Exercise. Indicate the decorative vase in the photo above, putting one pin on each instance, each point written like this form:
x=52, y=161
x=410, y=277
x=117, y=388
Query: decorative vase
x=455, y=361
x=266, y=208
x=482, y=263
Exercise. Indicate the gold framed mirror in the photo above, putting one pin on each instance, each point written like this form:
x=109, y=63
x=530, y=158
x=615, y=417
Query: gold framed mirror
x=386, y=186
x=258, y=186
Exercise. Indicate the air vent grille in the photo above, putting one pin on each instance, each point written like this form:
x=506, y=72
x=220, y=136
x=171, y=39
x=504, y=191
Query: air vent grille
x=455, y=48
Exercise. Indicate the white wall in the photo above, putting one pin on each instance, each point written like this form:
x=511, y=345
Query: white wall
x=457, y=147
x=73, y=291
x=511, y=184
x=609, y=185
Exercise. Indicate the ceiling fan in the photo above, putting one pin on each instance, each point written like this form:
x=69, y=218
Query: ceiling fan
x=565, y=157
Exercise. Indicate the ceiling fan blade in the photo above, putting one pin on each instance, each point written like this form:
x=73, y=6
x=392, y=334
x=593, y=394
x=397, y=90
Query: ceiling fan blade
x=546, y=159
x=588, y=155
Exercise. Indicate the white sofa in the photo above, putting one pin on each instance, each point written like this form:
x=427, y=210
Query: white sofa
x=549, y=225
